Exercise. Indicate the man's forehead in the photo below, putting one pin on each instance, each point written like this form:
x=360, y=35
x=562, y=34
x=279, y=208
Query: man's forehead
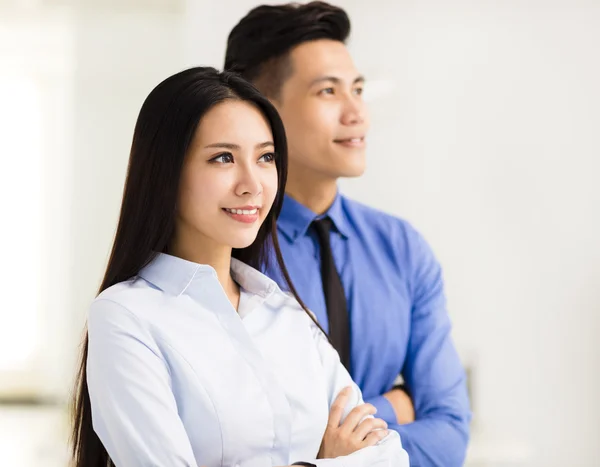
x=322, y=57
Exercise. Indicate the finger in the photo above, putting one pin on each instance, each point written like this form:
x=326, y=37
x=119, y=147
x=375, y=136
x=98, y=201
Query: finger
x=356, y=416
x=367, y=426
x=337, y=408
x=374, y=437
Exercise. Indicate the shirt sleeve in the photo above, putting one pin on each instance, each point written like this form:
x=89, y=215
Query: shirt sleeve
x=134, y=412
x=433, y=373
x=388, y=452
x=385, y=411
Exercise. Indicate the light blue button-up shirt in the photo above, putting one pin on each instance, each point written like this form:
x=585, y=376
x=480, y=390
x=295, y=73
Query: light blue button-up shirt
x=177, y=377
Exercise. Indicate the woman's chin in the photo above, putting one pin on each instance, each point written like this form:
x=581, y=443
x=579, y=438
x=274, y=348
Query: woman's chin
x=242, y=241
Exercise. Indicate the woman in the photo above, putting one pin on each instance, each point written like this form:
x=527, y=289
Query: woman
x=193, y=357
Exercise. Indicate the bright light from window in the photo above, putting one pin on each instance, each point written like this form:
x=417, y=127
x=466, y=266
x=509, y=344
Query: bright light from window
x=21, y=214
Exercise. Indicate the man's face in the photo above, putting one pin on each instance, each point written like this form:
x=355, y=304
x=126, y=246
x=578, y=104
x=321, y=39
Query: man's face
x=323, y=112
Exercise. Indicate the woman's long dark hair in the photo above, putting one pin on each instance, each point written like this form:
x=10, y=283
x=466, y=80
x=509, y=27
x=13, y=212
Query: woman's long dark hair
x=163, y=132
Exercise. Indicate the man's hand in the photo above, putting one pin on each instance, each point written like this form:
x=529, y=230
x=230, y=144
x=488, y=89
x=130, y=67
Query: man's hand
x=352, y=435
x=403, y=406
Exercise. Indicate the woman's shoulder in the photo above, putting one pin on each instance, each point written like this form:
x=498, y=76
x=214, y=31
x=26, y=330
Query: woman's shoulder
x=134, y=297
x=133, y=289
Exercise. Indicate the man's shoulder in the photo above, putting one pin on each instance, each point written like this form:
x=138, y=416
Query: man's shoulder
x=380, y=222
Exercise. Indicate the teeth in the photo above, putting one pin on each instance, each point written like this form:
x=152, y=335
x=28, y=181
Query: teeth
x=245, y=212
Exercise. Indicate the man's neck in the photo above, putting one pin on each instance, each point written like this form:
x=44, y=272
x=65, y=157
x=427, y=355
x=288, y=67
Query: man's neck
x=316, y=195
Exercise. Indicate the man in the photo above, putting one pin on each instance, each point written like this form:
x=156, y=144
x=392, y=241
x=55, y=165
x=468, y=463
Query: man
x=370, y=278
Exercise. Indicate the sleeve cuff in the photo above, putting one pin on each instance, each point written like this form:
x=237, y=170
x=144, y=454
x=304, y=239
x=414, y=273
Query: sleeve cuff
x=385, y=411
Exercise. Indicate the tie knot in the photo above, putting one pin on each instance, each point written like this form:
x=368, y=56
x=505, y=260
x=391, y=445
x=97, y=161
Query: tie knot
x=323, y=226
x=323, y=229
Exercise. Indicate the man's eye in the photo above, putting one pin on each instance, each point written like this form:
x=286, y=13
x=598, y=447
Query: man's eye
x=326, y=91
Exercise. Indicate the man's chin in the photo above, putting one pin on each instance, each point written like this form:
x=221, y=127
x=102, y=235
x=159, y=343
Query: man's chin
x=351, y=172
x=330, y=172
x=342, y=172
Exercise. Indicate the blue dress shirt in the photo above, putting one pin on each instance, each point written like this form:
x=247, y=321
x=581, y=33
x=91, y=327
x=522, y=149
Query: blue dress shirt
x=399, y=324
x=178, y=378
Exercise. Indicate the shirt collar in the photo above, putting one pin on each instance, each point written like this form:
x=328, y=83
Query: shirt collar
x=295, y=218
x=174, y=275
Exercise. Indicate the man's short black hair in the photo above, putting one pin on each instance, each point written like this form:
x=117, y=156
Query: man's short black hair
x=258, y=46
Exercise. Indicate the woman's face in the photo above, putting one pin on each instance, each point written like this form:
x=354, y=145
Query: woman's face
x=229, y=179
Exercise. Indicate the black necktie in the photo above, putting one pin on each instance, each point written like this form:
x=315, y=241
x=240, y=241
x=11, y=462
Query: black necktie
x=337, y=312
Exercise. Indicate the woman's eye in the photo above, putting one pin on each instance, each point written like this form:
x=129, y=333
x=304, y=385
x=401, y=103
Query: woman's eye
x=358, y=91
x=326, y=91
x=225, y=158
x=268, y=157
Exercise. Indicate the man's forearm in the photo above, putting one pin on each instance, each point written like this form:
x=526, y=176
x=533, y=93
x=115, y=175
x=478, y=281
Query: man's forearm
x=435, y=442
x=385, y=411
